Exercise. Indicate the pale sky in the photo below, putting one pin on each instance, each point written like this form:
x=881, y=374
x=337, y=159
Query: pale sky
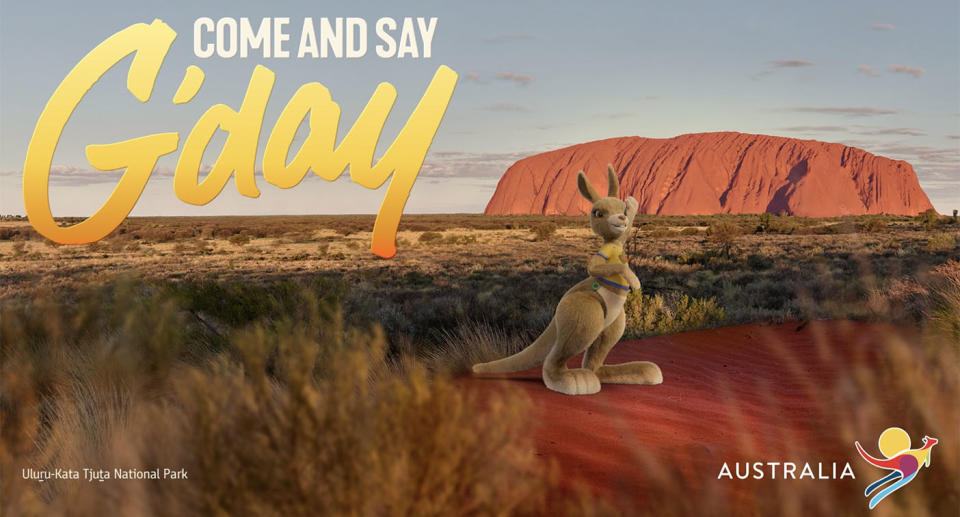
x=534, y=76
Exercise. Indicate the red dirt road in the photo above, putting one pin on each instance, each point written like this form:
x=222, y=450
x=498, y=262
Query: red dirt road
x=743, y=393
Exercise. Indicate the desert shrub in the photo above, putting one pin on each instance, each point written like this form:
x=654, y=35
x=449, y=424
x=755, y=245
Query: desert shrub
x=236, y=304
x=690, y=230
x=782, y=224
x=201, y=247
x=454, y=239
x=239, y=239
x=19, y=248
x=429, y=237
x=941, y=242
x=759, y=262
x=874, y=225
x=763, y=225
x=544, y=231
x=724, y=233
x=658, y=232
x=929, y=219
x=651, y=315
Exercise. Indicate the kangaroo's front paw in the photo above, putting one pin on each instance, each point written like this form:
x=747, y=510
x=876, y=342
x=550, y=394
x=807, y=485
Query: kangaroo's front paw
x=579, y=381
x=635, y=372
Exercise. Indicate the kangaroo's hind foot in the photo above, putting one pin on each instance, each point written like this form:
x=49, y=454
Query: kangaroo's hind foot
x=634, y=372
x=579, y=381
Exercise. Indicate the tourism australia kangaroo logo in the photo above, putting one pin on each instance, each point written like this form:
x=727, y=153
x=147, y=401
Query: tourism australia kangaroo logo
x=899, y=458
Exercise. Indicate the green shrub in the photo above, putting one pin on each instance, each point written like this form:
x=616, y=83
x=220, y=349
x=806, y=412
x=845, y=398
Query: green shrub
x=651, y=315
x=764, y=224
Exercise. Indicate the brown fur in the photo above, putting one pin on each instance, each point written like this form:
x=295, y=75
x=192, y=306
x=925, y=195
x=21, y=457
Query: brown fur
x=578, y=322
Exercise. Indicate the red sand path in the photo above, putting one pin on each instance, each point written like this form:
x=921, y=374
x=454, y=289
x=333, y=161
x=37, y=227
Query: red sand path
x=758, y=389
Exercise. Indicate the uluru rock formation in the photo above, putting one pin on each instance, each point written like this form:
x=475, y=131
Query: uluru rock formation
x=716, y=173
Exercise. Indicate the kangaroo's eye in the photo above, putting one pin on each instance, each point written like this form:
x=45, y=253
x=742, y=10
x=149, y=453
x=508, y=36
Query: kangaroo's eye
x=598, y=213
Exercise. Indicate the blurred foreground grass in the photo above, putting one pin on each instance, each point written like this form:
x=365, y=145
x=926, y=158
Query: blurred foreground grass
x=276, y=408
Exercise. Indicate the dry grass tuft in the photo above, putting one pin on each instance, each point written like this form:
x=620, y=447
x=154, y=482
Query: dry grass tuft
x=292, y=417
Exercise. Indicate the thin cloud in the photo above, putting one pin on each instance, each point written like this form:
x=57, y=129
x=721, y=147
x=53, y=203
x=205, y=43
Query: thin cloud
x=464, y=164
x=857, y=129
x=474, y=77
x=790, y=63
x=815, y=129
x=845, y=111
x=929, y=161
x=523, y=79
x=864, y=69
x=904, y=69
x=883, y=27
x=505, y=106
x=953, y=137
x=904, y=131
x=72, y=175
x=780, y=63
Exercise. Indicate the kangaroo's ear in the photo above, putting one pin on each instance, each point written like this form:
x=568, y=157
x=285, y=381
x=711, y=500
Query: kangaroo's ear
x=614, y=184
x=586, y=189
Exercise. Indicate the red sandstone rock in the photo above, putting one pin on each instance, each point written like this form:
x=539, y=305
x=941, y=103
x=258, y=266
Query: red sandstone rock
x=714, y=173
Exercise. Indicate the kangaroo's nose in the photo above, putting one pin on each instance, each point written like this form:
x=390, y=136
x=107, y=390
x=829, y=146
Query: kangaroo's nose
x=623, y=217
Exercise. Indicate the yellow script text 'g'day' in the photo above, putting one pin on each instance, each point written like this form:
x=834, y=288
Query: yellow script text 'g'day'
x=320, y=153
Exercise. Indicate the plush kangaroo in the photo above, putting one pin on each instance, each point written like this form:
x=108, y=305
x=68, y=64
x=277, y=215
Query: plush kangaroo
x=590, y=315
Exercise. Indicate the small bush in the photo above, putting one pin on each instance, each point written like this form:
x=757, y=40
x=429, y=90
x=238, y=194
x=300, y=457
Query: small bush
x=929, y=219
x=429, y=237
x=873, y=225
x=724, y=233
x=690, y=231
x=764, y=224
x=941, y=242
x=544, y=231
x=652, y=315
x=239, y=239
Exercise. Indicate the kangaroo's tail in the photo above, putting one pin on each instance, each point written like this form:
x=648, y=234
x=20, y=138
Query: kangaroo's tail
x=526, y=358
